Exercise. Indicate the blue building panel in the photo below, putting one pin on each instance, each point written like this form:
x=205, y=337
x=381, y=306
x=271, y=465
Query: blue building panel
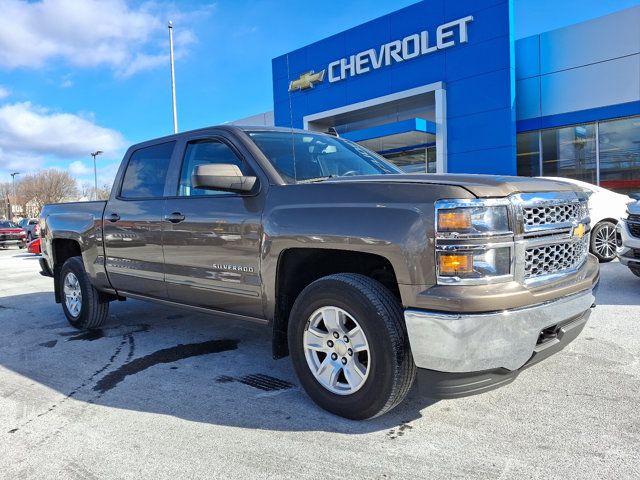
x=404, y=126
x=477, y=131
x=489, y=160
x=528, y=57
x=477, y=71
x=476, y=94
x=460, y=8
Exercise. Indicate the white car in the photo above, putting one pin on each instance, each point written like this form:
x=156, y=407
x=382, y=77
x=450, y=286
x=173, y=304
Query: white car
x=606, y=208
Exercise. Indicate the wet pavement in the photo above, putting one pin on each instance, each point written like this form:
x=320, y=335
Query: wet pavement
x=165, y=393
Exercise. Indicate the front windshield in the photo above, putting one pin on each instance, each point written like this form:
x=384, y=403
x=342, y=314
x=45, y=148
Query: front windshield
x=5, y=224
x=306, y=157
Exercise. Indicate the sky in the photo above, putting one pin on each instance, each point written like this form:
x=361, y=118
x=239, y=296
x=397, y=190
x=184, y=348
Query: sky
x=83, y=75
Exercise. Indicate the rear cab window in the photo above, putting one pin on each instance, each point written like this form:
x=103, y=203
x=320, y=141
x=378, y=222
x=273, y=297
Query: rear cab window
x=146, y=171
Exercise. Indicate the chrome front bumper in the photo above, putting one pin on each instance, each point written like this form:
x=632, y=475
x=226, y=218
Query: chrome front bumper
x=629, y=243
x=474, y=342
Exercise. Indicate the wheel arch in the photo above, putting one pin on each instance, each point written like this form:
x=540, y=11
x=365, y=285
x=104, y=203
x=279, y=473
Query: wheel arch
x=61, y=250
x=299, y=267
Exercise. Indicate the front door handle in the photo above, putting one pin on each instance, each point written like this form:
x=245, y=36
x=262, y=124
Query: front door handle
x=114, y=217
x=175, y=217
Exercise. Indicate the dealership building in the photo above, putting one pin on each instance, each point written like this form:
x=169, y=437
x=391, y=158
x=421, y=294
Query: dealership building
x=443, y=86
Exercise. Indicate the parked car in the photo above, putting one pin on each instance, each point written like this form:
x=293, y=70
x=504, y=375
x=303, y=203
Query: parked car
x=606, y=208
x=31, y=227
x=11, y=234
x=628, y=231
x=366, y=276
x=34, y=246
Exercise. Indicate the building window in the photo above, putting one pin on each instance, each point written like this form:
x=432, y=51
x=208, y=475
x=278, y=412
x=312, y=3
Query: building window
x=570, y=152
x=528, y=153
x=620, y=155
x=419, y=160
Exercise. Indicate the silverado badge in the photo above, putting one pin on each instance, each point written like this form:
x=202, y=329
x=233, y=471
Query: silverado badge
x=306, y=80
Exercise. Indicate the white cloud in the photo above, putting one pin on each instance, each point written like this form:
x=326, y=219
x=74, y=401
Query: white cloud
x=29, y=129
x=79, y=169
x=90, y=33
x=4, y=92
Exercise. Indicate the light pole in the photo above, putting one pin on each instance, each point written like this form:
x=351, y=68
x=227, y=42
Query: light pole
x=95, y=173
x=13, y=181
x=173, y=78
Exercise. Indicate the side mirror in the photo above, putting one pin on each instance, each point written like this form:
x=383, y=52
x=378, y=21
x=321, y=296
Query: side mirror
x=223, y=176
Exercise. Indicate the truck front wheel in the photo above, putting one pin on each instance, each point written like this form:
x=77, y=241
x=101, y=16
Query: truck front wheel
x=349, y=346
x=80, y=300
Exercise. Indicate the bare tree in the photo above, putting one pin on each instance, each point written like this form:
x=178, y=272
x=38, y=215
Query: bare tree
x=46, y=186
x=6, y=191
x=87, y=191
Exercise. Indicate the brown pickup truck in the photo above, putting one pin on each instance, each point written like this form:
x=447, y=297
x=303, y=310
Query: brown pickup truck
x=367, y=277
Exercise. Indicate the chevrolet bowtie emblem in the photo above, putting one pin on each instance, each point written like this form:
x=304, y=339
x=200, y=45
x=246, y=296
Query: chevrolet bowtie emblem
x=306, y=80
x=579, y=230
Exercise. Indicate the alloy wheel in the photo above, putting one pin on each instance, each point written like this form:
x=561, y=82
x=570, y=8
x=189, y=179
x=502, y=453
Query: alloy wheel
x=605, y=241
x=72, y=294
x=337, y=350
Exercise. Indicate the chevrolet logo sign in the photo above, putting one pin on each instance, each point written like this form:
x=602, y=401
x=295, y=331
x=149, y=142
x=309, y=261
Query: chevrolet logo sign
x=306, y=80
x=579, y=231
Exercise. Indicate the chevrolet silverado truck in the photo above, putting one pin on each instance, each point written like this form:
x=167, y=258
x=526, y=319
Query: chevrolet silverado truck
x=367, y=277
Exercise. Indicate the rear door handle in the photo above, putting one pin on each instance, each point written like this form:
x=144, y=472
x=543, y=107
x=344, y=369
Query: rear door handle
x=175, y=217
x=114, y=217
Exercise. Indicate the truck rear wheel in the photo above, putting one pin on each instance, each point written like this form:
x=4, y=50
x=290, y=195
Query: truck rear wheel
x=349, y=346
x=80, y=300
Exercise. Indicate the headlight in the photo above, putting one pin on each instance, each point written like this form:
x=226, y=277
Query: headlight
x=474, y=241
x=474, y=263
x=473, y=220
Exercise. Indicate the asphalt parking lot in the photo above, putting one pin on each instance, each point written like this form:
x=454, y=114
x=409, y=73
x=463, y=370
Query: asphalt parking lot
x=165, y=393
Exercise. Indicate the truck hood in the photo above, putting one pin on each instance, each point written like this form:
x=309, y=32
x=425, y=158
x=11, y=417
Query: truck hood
x=482, y=186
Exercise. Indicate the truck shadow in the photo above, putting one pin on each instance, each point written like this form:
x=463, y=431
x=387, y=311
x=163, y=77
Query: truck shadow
x=166, y=361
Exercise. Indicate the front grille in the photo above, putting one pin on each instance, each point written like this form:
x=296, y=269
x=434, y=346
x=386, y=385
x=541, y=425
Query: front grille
x=634, y=225
x=555, y=258
x=538, y=215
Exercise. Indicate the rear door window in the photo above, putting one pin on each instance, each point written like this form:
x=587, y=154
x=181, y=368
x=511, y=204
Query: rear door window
x=146, y=172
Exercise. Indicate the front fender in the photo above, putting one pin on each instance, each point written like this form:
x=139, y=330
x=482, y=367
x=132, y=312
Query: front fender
x=395, y=222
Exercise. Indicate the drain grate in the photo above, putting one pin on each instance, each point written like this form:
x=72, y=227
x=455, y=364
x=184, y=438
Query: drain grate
x=260, y=381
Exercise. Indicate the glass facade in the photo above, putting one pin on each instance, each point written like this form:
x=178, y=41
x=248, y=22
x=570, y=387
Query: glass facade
x=620, y=154
x=528, y=148
x=605, y=153
x=415, y=161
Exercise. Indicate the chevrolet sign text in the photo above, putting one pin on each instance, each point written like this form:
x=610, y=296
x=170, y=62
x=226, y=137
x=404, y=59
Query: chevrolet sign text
x=447, y=35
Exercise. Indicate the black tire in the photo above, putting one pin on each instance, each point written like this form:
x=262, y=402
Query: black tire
x=603, y=250
x=92, y=313
x=380, y=315
x=635, y=271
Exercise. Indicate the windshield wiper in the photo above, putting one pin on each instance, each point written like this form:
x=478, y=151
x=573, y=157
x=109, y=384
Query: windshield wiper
x=316, y=179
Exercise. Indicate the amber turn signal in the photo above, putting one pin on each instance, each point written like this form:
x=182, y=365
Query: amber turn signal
x=453, y=220
x=454, y=265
